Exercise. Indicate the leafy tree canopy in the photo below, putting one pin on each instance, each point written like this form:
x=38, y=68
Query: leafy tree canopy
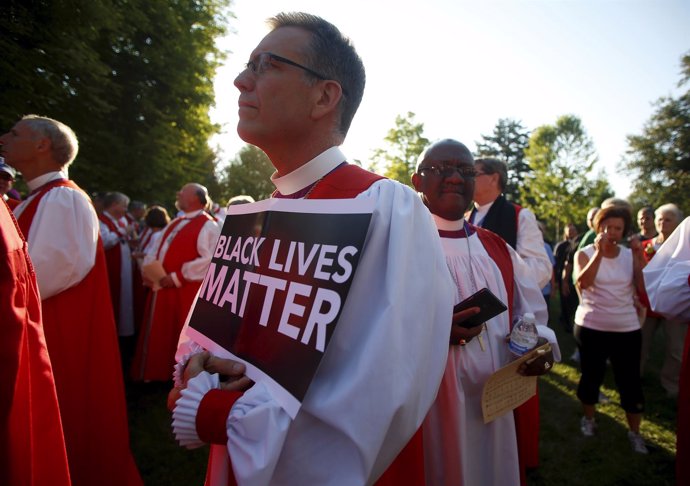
x=133, y=78
x=249, y=174
x=561, y=187
x=659, y=159
x=508, y=143
x=404, y=143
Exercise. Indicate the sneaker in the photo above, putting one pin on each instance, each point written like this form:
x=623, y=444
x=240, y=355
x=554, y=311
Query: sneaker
x=637, y=443
x=587, y=426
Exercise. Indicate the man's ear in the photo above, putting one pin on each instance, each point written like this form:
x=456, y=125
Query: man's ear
x=328, y=98
x=416, y=182
x=43, y=144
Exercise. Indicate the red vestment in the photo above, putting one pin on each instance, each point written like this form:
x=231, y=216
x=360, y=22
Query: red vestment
x=527, y=414
x=82, y=341
x=167, y=308
x=30, y=428
x=683, y=431
x=345, y=182
x=113, y=260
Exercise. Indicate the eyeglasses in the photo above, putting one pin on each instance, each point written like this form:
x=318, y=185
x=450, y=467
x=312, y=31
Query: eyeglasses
x=262, y=63
x=447, y=170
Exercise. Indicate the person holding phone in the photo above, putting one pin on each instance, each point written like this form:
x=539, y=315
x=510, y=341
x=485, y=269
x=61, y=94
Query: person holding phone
x=459, y=448
x=607, y=326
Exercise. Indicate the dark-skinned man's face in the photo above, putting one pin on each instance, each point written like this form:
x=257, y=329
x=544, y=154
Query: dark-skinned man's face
x=445, y=178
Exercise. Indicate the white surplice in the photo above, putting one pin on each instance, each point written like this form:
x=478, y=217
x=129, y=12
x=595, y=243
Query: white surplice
x=459, y=449
x=381, y=370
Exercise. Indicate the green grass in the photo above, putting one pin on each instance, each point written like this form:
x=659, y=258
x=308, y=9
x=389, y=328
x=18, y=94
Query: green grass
x=566, y=457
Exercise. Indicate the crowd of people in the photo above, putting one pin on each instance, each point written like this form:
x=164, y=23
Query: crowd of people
x=397, y=398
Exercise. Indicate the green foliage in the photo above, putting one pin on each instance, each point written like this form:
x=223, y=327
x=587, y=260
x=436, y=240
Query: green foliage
x=249, y=174
x=508, y=143
x=133, y=78
x=404, y=144
x=560, y=189
x=659, y=158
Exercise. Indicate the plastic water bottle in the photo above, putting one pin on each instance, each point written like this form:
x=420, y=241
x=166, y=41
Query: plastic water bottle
x=523, y=337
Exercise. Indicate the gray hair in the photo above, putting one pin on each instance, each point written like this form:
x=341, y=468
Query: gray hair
x=63, y=141
x=242, y=199
x=669, y=208
x=333, y=56
x=495, y=166
x=115, y=198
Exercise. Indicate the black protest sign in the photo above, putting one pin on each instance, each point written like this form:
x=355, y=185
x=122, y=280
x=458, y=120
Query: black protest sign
x=277, y=284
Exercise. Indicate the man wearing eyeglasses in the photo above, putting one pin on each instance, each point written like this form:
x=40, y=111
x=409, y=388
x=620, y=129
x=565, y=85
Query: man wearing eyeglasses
x=518, y=227
x=515, y=224
x=298, y=95
x=459, y=448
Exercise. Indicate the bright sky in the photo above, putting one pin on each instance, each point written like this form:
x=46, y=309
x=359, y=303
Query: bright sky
x=461, y=65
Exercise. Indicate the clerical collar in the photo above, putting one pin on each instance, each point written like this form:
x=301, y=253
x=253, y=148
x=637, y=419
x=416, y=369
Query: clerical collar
x=446, y=225
x=310, y=172
x=44, y=179
x=192, y=214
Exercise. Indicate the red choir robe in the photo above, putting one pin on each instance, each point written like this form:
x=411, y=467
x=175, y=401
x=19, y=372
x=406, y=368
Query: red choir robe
x=167, y=308
x=31, y=435
x=346, y=182
x=82, y=340
x=113, y=260
x=139, y=290
x=683, y=431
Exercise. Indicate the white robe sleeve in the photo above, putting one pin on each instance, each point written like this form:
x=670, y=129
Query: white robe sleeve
x=530, y=246
x=195, y=270
x=65, y=225
x=380, y=373
x=109, y=238
x=528, y=298
x=667, y=275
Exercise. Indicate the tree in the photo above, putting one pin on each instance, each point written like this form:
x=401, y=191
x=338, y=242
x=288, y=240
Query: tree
x=133, y=78
x=508, y=143
x=560, y=188
x=249, y=174
x=405, y=142
x=659, y=158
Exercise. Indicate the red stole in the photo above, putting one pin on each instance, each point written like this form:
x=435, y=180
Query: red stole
x=346, y=182
x=527, y=414
x=683, y=430
x=183, y=247
x=81, y=338
x=31, y=435
x=167, y=308
x=113, y=261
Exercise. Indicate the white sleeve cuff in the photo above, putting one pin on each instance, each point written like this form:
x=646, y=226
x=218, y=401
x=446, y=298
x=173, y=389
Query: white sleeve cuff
x=192, y=349
x=550, y=336
x=184, y=414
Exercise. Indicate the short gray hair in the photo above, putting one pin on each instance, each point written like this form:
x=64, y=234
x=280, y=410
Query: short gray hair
x=669, y=208
x=332, y=55
x=63, y=141
x=495, y=166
